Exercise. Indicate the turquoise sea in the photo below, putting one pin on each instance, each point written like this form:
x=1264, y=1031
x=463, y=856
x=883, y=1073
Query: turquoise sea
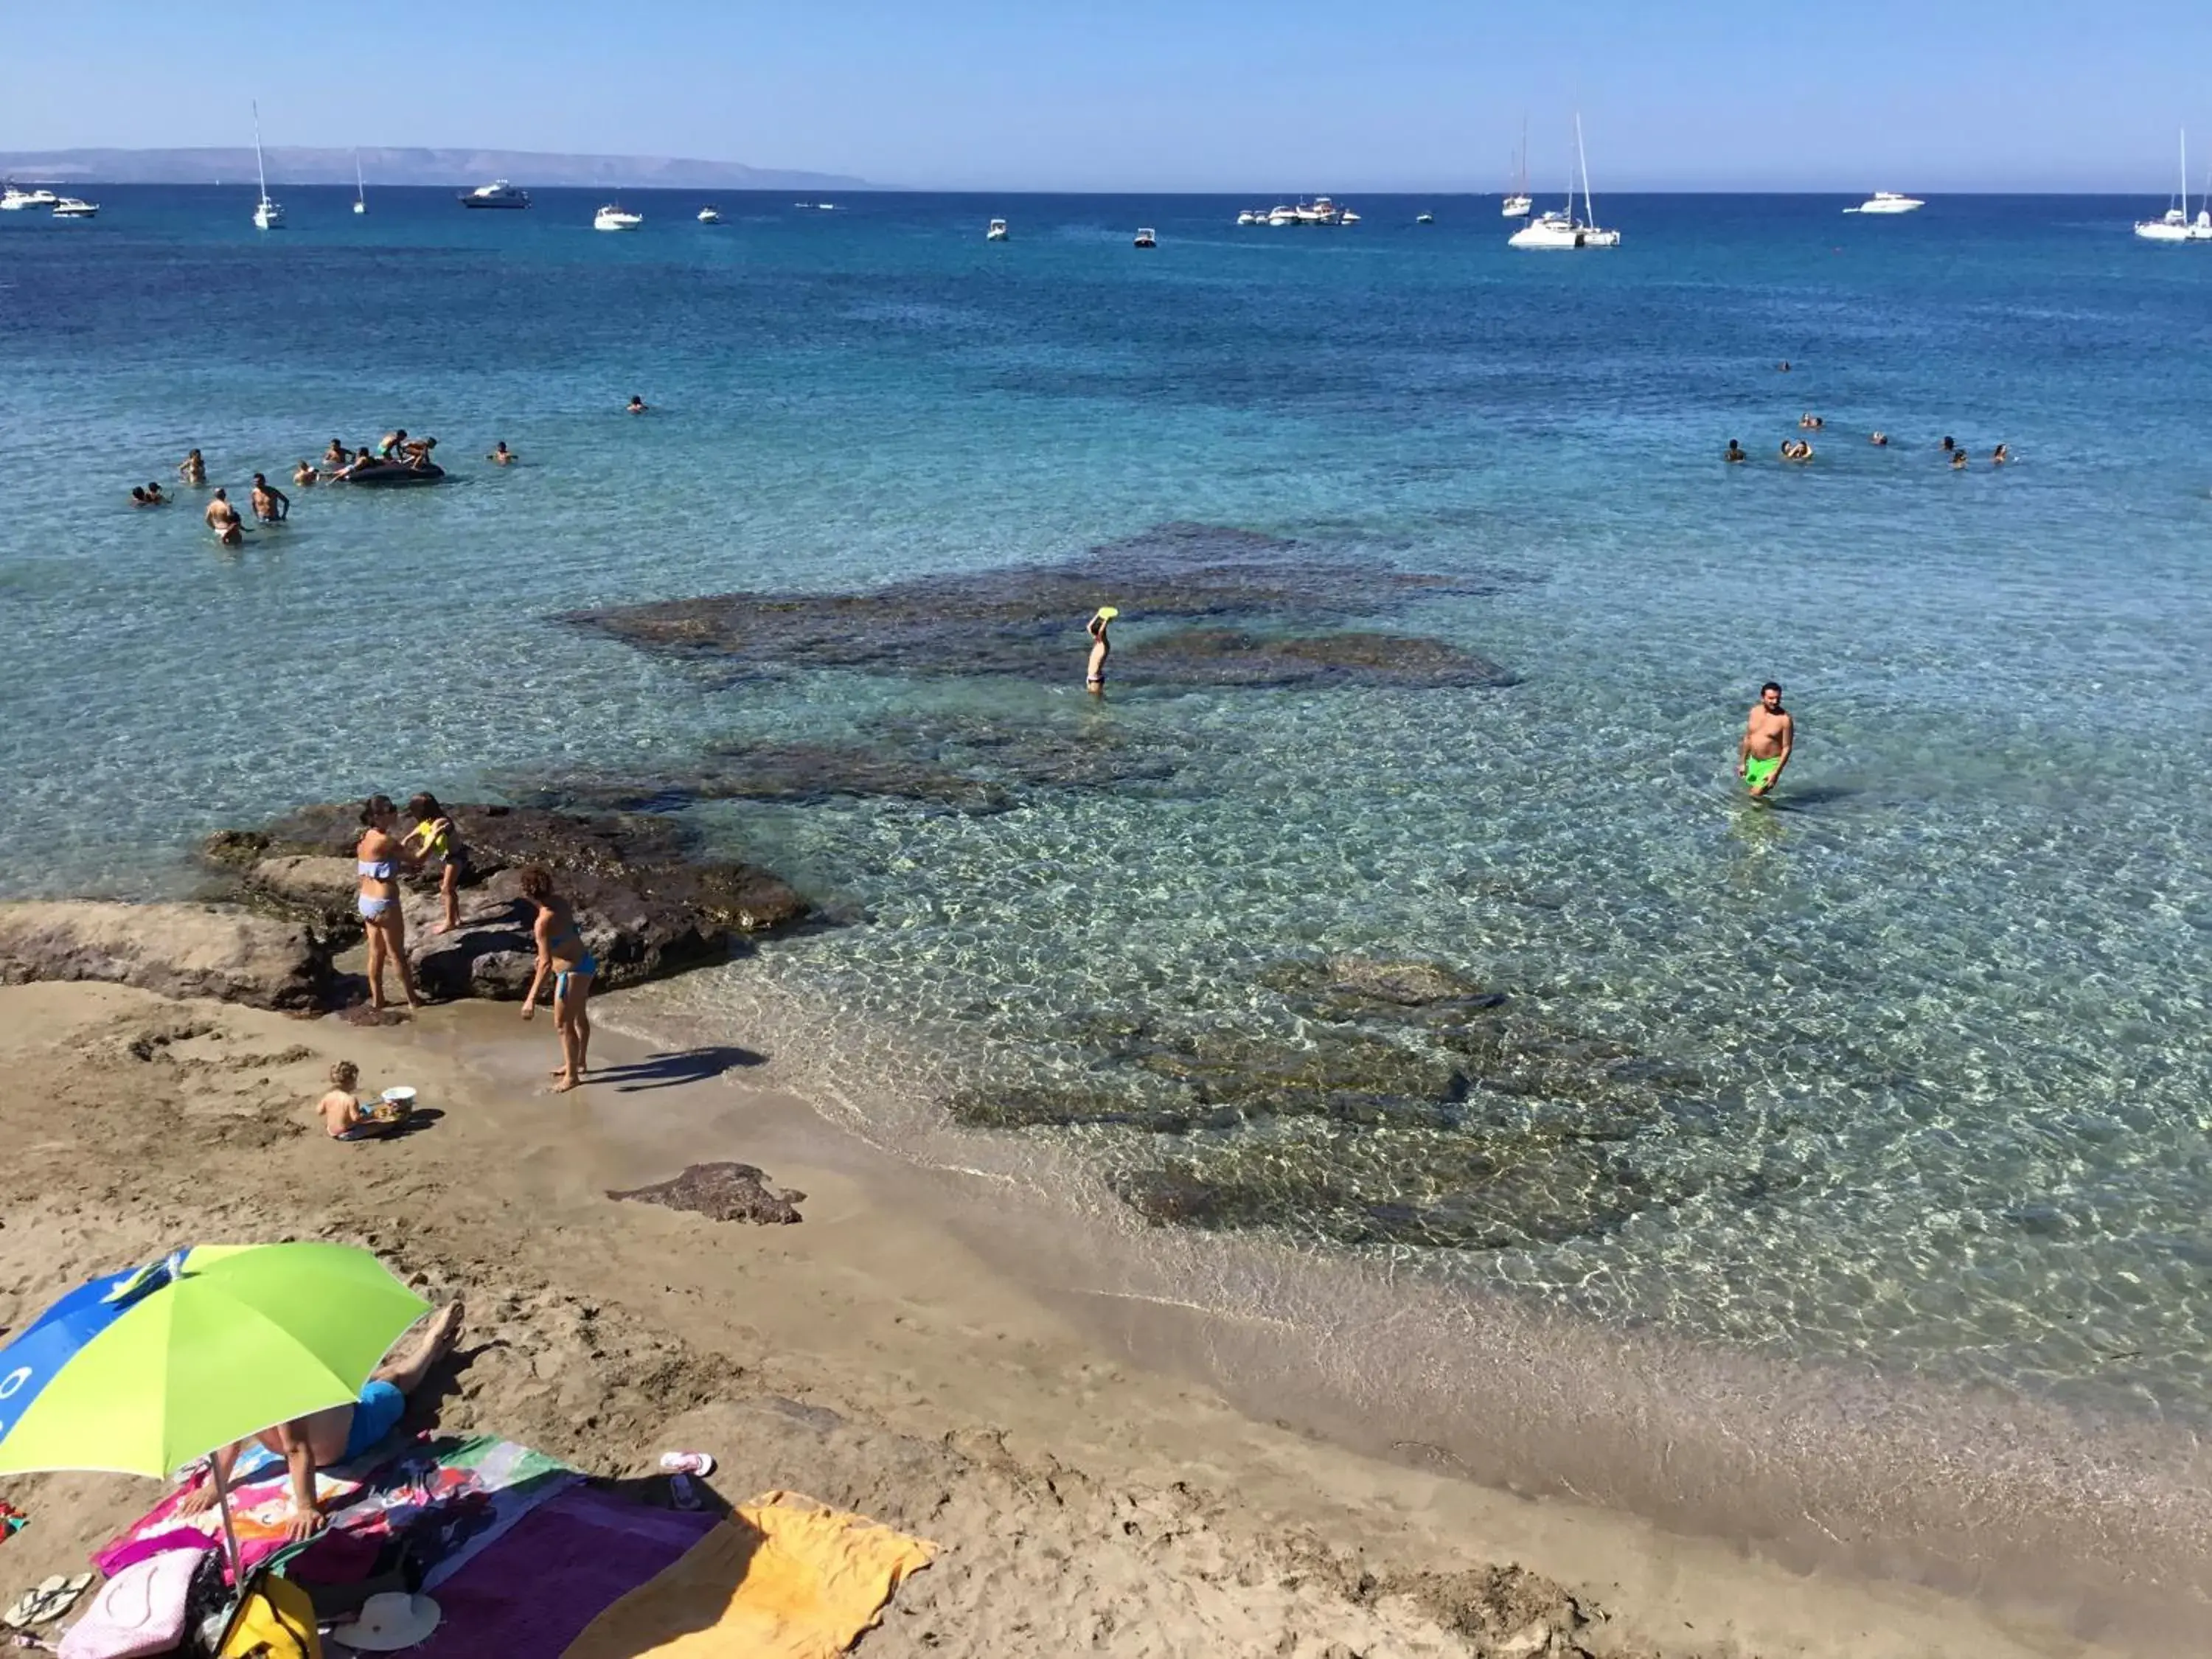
x=1935, y=1080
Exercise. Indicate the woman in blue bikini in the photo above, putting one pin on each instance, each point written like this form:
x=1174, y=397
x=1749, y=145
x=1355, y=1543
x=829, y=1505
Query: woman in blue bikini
x=561, y=953
x=376, y=861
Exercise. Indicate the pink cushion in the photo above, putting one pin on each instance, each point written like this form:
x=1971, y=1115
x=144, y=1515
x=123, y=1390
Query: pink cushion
x=139, y=1611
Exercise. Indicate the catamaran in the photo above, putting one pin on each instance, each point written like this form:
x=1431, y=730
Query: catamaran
x=267, y=215
x=1561, y=230
x=2176, y=226
x=1518, y=200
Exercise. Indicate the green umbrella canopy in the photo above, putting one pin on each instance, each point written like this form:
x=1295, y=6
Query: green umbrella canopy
x=143, y=1371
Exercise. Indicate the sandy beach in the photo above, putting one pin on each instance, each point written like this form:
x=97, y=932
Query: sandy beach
x=865, y=1356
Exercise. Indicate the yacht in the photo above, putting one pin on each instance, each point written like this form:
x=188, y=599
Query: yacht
x=2176, y=226
x=615, y=216
x=1518, y=200
x=710, y=215
x=1561, y=230
x=71, y=206
x=997, y=233
x=496, y=194
x=14, y=200
x=1425, y=218
x=267, y=215
x=359, y=189
x=1145, y=238
x=1888, y=201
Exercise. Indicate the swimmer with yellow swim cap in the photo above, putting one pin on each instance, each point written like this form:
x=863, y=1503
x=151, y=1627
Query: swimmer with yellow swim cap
x=1100, y=649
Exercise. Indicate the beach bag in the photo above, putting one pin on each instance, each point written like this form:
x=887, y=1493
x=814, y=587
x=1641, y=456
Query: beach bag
x=139, y=1611
x=275, y=1620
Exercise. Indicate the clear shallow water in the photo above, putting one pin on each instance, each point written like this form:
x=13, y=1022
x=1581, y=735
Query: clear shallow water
x=1944, y=1012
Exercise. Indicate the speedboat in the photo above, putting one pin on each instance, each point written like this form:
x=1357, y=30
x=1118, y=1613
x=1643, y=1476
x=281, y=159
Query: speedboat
x=1425, y=218
x=1248, y=217
x=1347, y=218
x=710, y=216
x=1145, y=238
x=2176, y=226
x=1560, y=229
x=496, y=194
x=997, y=233
x=70, y=208
x=1888, y=201
x=14, y=200
x=614, y=217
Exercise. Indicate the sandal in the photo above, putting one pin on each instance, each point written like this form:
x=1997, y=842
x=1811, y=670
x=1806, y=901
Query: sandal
x=682, y=1462
x=45, y=1602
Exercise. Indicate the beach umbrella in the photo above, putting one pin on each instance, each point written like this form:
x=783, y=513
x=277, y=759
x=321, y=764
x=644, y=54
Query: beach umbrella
x=141, y=1372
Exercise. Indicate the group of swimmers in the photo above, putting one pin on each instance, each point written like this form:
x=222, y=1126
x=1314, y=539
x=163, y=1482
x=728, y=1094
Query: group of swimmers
x=562, y=957
x=271, y=505
x=1800, y=449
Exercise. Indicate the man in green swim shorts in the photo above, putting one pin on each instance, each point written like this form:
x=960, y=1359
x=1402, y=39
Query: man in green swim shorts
x=1767, y=735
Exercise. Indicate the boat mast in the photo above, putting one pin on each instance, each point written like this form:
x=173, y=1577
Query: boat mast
x=1589, y=213
x=359, y=189
x=260, y=171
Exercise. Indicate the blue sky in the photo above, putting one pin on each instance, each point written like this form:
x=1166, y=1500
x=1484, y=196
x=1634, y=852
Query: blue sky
x=1146, y=94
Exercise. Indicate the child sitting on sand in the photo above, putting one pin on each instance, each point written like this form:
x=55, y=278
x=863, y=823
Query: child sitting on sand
x=340, y=1110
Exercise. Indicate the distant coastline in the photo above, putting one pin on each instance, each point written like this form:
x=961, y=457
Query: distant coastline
x=290, y=165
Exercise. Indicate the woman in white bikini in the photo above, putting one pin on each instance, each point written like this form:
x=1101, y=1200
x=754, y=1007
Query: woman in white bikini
x=376, y=861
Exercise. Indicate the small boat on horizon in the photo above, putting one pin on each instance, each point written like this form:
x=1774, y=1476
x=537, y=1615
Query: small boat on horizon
x=997, y=232
x=496, y=194
x=1425, y=218
x=14, y=199
x=1889, y=200
x=616, y=216
x=1145, y=238
x=1518, y=200
x=2176, y=226
x=710, y=215
x=71, y=207
x=267, y=215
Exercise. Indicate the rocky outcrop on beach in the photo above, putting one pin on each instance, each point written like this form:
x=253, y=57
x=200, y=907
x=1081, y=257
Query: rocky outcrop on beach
x=178, y=950
x=1256, y=611
x=647, y=902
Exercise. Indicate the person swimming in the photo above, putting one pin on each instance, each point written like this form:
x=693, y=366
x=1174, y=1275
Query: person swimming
x=139, y=497
x=336, y=455
x=1799, y=450
x=392, y=443
x=271, y=504
x=192, y=470
x=417, y=451
x=1999, y=456
x=1879, y=439
x=636, y=404
x=223, y=519
x=154, y=495
x=1101, y=648
x=1958, y=460
x=1735, y=451
x=500, y=454
x=303, y=475
x=1808, y=422
x=1948, y=446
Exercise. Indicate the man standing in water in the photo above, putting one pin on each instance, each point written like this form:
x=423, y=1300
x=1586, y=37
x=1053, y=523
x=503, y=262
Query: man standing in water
x=223, y=519
x=1767, y=737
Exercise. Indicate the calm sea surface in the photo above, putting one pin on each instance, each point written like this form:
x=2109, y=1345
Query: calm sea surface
x=1935, y=1023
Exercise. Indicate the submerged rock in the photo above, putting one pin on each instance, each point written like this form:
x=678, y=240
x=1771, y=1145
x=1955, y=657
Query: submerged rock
x=178, y=950
x=1026, y=621
x=722, y=1192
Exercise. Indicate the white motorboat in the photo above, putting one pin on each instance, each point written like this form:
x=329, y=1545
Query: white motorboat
x=1518, y=202
x=997, y=233
x=71, y=206
x=14, y=200
x=1425, y=218
x=615, y=216
x=1889, y=200
x=496, y=194
x=1145, y=238
x=267, y=215
x=1347, y=218
x=1249, y=217
x=359, y=189
x=2176, y=226
x=710, y=216
x=1561, y=230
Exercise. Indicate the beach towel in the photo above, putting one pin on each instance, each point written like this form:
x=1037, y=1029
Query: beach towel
x=531, y=1594
x=786, y=1578
x=447, y=1499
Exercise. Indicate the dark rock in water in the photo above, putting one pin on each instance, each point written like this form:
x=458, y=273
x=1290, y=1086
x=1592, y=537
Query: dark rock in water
x=723, y=1192
x=645, y=903
x=1233, y=1067
x=1027, y=622
x=790, y=773
x=1033, y=1108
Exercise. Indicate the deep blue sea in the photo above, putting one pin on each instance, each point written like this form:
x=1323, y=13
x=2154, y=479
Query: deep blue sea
x=1944, y=1004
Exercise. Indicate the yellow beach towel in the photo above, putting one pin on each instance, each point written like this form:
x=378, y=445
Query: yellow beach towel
x=786, y=1578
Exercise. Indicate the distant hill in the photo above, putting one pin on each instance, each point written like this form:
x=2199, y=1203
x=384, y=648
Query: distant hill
x=291, y=166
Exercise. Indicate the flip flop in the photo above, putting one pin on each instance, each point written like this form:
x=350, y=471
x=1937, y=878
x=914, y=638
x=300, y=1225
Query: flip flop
x=684, y=1462
x=47, y=1602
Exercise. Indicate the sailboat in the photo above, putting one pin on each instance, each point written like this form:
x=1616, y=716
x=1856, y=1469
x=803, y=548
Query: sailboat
x=1561, y=230
x=2176, y=226
x=267, y=215
x=1517, y=201
x=359, y=189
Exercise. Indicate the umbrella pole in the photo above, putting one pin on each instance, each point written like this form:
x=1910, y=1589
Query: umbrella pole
x=229, y=1532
